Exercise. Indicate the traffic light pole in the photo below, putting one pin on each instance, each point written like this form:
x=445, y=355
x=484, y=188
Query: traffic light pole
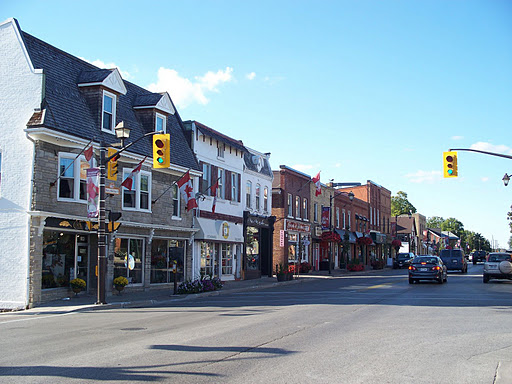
x=102, y=233
x=484, y=152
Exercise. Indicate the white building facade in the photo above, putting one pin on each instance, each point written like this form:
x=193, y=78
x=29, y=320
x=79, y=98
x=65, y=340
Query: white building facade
x=218, y=244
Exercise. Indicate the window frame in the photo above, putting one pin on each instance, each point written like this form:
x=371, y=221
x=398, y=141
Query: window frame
x=221, y=174
x=164, y=122
x=137, y=190
x=315, y=212
x=265, y=199
x=113, y=112
x=176, y=202
x=76, y=177
x=290, y=205
x=248, y=194
x=257, y=194
x=298, y=207
x=305, y=215
x=234, y=187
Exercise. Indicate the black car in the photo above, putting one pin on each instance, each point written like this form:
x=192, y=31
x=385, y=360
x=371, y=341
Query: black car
x=403, y=260
x=427, y=268
x=454, y=260
x=479, y=256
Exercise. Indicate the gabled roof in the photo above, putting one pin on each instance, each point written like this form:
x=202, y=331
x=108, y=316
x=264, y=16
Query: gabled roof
x=66, y=110
x=207, y=131
x=257, y=162
x=109, y=78
x=161, y=101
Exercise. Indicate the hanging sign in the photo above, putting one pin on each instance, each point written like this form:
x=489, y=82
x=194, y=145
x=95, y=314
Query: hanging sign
x=93, y=192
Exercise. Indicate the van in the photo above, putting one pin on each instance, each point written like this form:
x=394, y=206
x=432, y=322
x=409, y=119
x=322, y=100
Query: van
x=454, y=260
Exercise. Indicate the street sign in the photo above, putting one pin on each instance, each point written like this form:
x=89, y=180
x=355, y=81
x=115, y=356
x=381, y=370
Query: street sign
x=111, y=189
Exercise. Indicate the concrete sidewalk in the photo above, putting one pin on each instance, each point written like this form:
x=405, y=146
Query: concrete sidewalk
x=158, y=296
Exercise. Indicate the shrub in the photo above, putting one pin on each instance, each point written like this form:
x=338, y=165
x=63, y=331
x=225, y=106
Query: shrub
x=121, y=281
x=77, y=283
x=204, y=284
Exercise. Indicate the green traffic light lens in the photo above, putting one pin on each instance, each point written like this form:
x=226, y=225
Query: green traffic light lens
x=160, y=160
x=450, y=171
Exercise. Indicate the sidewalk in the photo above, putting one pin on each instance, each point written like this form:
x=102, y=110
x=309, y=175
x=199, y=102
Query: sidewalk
x=156, y=296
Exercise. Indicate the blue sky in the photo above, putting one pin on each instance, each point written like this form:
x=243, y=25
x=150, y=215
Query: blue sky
x=359, y=90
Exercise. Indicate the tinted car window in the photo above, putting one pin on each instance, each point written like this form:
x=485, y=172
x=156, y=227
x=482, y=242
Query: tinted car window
x=428, y=260
x=451, y=253
x=404, y=256
x=498, y=257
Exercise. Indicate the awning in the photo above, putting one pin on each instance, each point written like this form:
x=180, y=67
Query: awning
x=219, y=230
x=351, y=235
x=378, y=238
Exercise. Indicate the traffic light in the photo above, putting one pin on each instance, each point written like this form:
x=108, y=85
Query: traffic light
x=112, y=164
x=113, y=225
x=161, y=151
x=450, y=164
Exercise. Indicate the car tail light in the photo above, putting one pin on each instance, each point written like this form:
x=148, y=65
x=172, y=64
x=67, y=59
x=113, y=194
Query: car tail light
x=412, y=267
x=436, y=268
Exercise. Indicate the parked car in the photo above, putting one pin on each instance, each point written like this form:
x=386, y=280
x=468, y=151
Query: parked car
x=454, y=260
x=427, y=267
x=498, y=266
x=403, y=260
x=478, y=256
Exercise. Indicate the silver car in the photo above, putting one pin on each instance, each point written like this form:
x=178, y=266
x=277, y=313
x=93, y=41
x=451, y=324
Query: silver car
x=498, y=266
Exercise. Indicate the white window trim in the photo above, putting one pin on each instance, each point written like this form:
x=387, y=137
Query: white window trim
x=248, y=196
x=164, y=123
x=265, y=199
x=221, y=174
x=114, y=109
x=179, y=203
x=257, y=196
x=76, y=173
x=136, y=184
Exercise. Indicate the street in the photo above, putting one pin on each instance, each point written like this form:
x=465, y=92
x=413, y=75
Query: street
x=373, y=328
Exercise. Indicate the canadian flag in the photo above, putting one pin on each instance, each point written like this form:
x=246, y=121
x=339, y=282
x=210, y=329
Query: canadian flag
x=88, y=153
x=316, y=181
x=214, y=193
x=128, y=182
x=185, y=186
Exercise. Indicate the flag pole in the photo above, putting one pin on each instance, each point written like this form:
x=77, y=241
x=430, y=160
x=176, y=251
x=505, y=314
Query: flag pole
x=170, y=186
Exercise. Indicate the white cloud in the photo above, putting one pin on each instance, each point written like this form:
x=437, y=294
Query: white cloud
x=184, y=91
x=484, y=179
x=488, y=147
x=101, y=64
x=251, y=76
x=421, y=176
x=457, y=137
x=337, y=165
x=302, y=167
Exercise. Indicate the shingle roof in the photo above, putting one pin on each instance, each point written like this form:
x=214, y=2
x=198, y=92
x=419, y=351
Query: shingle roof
x=147, y=100
x=67, y=110
x=251, y=161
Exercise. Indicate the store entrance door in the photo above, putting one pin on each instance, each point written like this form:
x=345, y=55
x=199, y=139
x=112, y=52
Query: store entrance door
x=82, y=259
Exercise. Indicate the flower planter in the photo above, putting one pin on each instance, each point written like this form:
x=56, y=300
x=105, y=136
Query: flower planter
x=119, y=288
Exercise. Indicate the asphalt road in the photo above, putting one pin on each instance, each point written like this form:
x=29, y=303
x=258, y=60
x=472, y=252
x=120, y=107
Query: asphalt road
x=353, y=329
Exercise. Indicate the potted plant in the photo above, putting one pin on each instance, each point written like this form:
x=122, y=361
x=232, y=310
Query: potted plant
x=77, y=285
x=283, y=273
x=120, y=282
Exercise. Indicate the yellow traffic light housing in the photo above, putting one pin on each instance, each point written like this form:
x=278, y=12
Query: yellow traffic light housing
x=450, y=164
x=112, y=164
x=161, y=151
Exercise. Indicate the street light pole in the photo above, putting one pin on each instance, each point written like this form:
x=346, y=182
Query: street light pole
x=102, y=236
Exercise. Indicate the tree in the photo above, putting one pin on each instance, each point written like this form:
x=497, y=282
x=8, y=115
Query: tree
x=510, y=243
x=434, y=222
x=453, y=225
x=400, y=205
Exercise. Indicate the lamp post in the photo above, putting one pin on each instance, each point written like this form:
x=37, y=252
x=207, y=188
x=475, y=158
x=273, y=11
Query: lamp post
x=331, y=198
x=122, y=133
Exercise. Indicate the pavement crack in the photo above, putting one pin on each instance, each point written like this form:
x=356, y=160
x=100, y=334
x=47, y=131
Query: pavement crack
x=496, y=373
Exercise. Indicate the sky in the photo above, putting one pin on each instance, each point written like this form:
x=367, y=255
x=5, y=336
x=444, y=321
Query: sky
x=359, y=90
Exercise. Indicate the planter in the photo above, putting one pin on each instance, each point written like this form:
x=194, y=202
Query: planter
x=119, y=288
x=77, y=290
x=284, y=277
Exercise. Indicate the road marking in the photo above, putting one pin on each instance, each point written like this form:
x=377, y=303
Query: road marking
x=40, y=317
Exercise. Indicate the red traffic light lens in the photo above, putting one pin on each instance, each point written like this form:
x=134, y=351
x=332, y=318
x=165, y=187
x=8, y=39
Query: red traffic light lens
x=159, y=143
x=449, y=158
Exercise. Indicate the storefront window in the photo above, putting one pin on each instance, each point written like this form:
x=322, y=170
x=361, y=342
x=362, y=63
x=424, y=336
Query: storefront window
x=128, y=259
x=207, y=259
x=58, y=259
x=292, y=247
x=164, y=254
x=227, y=259
x=252, y=249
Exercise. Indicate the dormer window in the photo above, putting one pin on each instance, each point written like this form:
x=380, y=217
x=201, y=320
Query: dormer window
x=109, y=112
x=160, y=123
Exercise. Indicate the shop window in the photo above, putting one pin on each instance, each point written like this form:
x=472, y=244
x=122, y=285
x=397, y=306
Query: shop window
x=139, y=197
x=129, y=259
x=58, y=264
x=226, y=259
x=207, y=259
x=72, y=183
x=165, y=254
x=292, y=247
x=252, y=249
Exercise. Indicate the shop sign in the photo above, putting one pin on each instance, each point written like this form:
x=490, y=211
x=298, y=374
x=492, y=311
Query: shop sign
x=281, y=238
x=225, y=230
x=254, y=221
x=318, y=231
x=297, y=227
